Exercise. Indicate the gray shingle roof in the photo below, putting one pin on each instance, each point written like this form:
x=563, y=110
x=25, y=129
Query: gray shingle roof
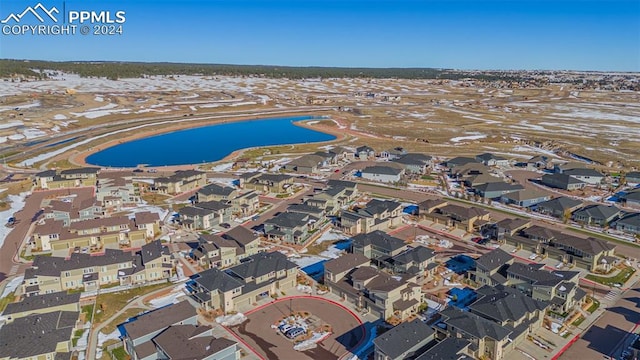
x=41, y=302
x=240, y=234
x=384, y=170
x=417, y=254
x=404, y=338
x=560, y=204
x=215, y=189
x=498, y=186
x=345, y=262
x=36, y=334
x=448, y=349
x=216, y=280
x=473, y=325
x=53, y=266
x=379, y=239
x=630, y=220
x=502, y=304
x=289, y=220
x=600, y=212
x=494, y=259
x=261, y=264
x=186, y=342
x=583, y=172
x=159, y=319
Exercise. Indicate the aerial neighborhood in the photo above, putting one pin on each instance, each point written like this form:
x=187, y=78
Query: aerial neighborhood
x=479, y=256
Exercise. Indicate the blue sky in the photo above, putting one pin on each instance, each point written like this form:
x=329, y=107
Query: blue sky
x=545, y=34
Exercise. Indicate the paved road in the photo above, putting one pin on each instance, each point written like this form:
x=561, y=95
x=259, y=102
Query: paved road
x=609, y=335
x=17, y=235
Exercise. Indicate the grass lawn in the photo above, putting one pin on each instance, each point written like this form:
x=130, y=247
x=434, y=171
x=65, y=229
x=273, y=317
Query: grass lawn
x=76, y=336
x=109, y=328
x=155, y=199
x=595, y=304
x=6, y=301
x=87, y=310
x=109, y=304
x=119, y=354
x=620, y=278
x=578, y=321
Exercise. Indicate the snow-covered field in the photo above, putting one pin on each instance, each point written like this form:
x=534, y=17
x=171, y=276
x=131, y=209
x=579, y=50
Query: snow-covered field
x=468, y=137
x=12, y=286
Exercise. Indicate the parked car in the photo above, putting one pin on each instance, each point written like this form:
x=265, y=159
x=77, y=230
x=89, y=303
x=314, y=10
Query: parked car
x=225, y=225
x=294, y=333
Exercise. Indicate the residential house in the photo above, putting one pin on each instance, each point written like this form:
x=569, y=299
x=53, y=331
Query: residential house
x=629, y=223
x=41, y=304
x=492, y=160
x=395, y=153
x=560, y=207
x=236, y=288
x=414, y=163
x=561, y=168
x=487, y=339
x=377, y=292
x=266, y=183
x=632, y=177
x=338, y=195
x=306, y=164
x=415, y=261
x=562, y=181
x=589, y=253
x=525, y=198
x=404, y=341
x=226, y=250
x=194, y=342
x=50, y=274
x=631, y=199
x=452, y=348
x=72, y=210
x=488, y=266
x=600, y=215
x=496, y=190
x=336, y=269
x=137, y=335
x=495, y=324
x=589, y=176
x=469, y=219
x=472, y=181
x=384, y=174
x=52, y=179
x=375, y=215
x=539, y=162
x=431, y=205
x=377, y=245
x=116, y=190
x=245, y=204
x=508, y=227
x=91, y=235
x=149, y=222
x=470, y=170
x=181, y=181
x=215, y=192
x=459, y=161
x=291, y=227
x=38, y=336
x=205, y=215
x=305, y=208
x=365, y=153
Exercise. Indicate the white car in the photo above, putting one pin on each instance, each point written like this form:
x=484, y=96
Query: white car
x=533, y=256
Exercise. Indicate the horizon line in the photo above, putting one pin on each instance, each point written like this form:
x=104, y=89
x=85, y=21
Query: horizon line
x=323, y=66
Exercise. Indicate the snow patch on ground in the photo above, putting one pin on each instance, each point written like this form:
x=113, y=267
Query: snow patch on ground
x=223, y=167
x=59, y=117
x=162, y=213
x=331, y=236
x=469, y=137
x=17, y=203
x=231, y=320
x=304, y=261
x=102, y=338
x=12, y=286
x=172, y=298
x=11, y=124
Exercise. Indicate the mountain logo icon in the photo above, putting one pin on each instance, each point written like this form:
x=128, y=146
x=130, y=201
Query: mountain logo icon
x=39, y=11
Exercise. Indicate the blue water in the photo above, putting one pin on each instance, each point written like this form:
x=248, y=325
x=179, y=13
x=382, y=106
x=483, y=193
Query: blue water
x=207, y=144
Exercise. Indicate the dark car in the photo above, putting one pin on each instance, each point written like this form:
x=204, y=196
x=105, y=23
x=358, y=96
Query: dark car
x=138, y=170
x=225, y=225
x=476, y=239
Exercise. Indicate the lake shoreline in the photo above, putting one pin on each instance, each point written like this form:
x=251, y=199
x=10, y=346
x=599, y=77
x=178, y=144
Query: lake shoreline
x=80, y=157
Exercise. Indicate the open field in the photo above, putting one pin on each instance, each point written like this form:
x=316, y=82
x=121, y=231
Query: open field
x=441, y=117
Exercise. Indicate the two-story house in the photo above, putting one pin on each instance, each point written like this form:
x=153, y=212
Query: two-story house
x=181, y=181
x=291, y=227
x=205, y=215
x=226, y=250
x=215, y=192
x=377, y=246
x=375, y=215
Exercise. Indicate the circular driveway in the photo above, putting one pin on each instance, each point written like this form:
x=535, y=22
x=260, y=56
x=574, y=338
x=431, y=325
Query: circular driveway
x=257, y=333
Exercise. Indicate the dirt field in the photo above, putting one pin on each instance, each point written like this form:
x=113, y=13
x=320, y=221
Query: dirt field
x=270, y=344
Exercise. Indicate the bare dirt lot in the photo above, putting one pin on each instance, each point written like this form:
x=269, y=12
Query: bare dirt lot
x=270, y=344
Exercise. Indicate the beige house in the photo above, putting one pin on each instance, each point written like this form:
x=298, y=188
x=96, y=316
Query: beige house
x=95, y=235
x=52, y=179
x=181, y=181
x=240, y=286
x=226, y=250
x=49, y=274
x=215, y=192
x=246, y=203
x=376, y=215
x=266, y=183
